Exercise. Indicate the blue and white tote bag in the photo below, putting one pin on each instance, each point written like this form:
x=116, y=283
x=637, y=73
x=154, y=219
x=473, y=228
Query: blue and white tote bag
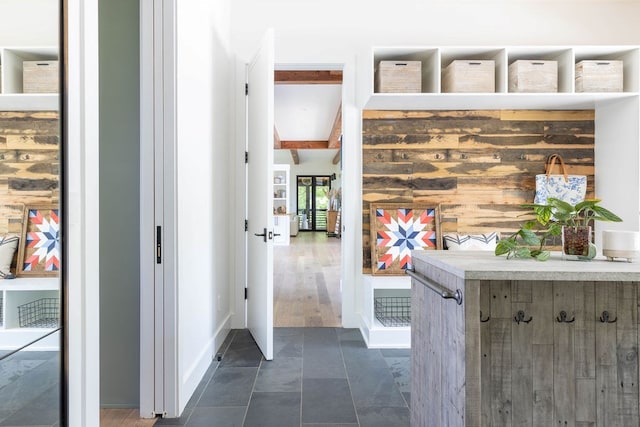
x=569, y=188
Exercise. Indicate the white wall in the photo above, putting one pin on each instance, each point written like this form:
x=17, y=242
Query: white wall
x=204, y=132
x=29, y=22
x=343, y=33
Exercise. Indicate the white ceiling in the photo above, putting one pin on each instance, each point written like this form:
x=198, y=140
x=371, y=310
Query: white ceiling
x=306, y=113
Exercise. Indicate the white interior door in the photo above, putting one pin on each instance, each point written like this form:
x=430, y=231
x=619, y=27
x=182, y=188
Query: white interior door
x=260, y=126
x=158, y=281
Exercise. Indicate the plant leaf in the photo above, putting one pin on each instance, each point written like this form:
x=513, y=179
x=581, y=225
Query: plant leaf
x=529, y=237
x=523, y=253
x=543, y=256
x=605, y=214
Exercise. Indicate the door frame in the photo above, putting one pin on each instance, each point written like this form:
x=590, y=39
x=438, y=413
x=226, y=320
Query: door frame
x=351, y=260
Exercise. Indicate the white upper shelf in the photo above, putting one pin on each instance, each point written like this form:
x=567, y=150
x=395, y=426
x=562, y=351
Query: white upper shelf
x=435, y=59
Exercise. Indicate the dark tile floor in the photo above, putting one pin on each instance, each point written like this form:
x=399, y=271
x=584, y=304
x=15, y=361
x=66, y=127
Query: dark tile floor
x=319, y=377
x=29, y=389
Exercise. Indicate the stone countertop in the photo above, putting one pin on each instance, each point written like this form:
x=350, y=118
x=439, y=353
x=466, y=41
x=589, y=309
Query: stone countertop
x=479, y=265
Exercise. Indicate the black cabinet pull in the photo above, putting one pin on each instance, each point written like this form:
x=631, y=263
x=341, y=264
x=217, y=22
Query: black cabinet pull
x=484, y=320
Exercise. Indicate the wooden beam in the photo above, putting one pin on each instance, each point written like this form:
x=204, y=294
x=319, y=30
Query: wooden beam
x=276, y=139
x=337, y=158
x=302, y=77
x=298, y=145
x=295, y=157
x=336, y=130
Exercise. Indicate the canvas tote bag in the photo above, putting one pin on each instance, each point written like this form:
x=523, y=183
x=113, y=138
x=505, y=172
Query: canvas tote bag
x=569, y=188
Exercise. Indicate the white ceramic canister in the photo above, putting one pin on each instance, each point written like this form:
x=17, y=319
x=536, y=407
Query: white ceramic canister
x=621, y=244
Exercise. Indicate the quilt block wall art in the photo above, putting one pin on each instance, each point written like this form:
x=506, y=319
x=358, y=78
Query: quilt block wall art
x=398, y=229
x=39, y=253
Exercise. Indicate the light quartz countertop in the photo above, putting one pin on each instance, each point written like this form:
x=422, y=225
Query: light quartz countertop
x=487, y=266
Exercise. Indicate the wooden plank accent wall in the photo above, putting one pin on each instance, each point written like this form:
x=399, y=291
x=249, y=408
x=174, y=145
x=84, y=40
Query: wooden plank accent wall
x=29, y=164
x=479, y=165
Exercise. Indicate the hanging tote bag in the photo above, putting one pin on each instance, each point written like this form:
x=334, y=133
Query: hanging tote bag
x=569, y=188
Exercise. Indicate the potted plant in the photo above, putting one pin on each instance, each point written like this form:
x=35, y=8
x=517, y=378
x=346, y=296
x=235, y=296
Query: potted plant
x=557, y=218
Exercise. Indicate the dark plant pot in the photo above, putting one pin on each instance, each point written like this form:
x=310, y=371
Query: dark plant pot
x=576, y=243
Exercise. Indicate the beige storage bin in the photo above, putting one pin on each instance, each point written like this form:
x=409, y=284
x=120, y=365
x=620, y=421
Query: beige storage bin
x=40, y=76
x=599, y=76
x=470, y=76
x=398, y=77
x=533, y=76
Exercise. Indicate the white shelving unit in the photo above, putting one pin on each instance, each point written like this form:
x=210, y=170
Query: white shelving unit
x=12, y=97
x=375, y=334
x=617, y=130
x=20, y=291
x=23, y=290
x=281, y=217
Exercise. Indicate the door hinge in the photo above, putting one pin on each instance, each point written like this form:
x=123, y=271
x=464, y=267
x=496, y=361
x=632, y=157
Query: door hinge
x=245, y=293
x=246, y=88
x=246, y=157
x=246, y=225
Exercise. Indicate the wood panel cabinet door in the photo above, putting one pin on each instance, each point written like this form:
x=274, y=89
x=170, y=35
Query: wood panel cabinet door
x=616, y=354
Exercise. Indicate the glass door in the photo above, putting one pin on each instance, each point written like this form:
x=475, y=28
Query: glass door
x=313, y=201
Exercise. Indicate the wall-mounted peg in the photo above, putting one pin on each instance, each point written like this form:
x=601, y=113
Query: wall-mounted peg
x=604, y=318
x=562, y=317
x=520, y=317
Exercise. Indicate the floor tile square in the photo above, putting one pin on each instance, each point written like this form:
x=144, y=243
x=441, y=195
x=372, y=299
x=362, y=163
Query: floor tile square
x=327, y=401
x=280, y=374
x=218, y=417
x=229, y=387
x=273, y=410
x=384, y=417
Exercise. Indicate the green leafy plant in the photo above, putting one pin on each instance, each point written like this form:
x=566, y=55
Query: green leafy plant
x=530, y=240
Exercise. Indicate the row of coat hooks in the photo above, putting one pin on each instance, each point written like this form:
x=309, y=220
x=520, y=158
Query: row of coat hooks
x=562, y=317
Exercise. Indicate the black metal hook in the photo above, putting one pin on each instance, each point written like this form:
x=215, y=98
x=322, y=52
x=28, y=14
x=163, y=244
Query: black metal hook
x=562, y=317
x=520, y=317
x=605, y=318
x=484, y=320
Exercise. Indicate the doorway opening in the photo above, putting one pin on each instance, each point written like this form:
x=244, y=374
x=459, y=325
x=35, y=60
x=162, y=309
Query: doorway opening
x=313, y=201
x=307, y=288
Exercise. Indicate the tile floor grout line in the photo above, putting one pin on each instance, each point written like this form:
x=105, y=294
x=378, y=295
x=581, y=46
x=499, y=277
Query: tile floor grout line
x=301, y=375
x=253, y=389
x=346, y=372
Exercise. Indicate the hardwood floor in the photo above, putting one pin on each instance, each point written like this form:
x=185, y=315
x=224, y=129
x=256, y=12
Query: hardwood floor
x=306, y=282
x=123, y=418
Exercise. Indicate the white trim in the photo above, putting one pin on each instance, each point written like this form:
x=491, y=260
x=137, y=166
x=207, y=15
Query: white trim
x=81, y=170
x=147, y=275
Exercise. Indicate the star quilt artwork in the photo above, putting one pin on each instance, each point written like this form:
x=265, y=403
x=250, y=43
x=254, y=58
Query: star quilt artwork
x=39, y=253
x=398, y=229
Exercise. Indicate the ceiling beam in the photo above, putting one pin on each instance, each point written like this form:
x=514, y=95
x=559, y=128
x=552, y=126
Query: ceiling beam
x=336, y=158
x=304, y=145
x=302, y=77
x=336, y=130
x=276, y=139
x=295, y=157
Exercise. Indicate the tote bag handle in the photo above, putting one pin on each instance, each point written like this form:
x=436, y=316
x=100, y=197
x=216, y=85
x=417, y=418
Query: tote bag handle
x=551, y=163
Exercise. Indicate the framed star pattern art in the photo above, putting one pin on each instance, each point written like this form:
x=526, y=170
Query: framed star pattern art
x=39, y=247
x=398, y=229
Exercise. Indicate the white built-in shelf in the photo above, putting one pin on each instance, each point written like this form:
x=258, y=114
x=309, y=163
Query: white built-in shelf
x=435, y=59
x=12, y=97
x=26, y=283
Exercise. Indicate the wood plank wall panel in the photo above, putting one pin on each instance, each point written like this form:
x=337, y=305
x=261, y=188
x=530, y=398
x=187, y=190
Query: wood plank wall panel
x=29, y=164
x=478, y=165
